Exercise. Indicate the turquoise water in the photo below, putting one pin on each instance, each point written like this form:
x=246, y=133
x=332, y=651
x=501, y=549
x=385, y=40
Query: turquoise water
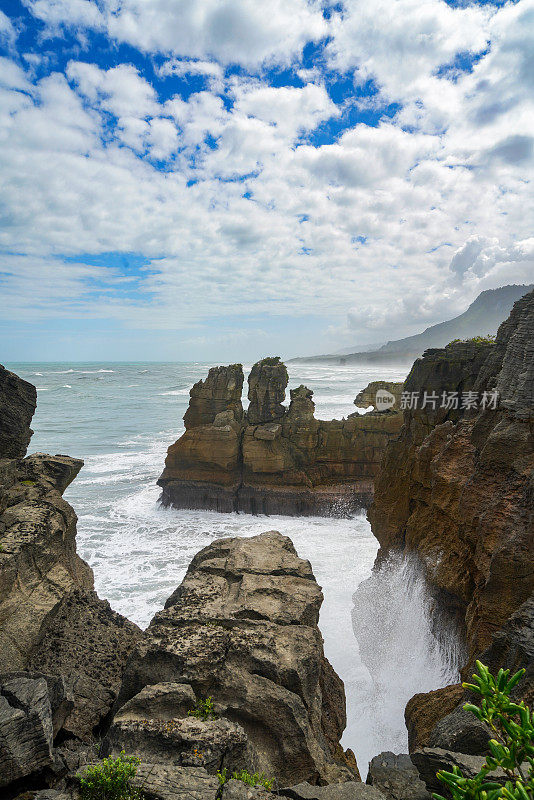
x=120, y=418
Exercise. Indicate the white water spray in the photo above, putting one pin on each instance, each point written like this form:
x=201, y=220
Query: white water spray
x=403, y=651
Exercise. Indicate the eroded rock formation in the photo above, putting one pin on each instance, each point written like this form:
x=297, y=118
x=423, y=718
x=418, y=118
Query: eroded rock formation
x=62, y=649
x=457, y=489
x=18, y=400
x=241, y=628
x=368, y=396
x=272, y=459
x=457, y=485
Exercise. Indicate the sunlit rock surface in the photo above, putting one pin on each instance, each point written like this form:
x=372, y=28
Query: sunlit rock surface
x=241, y=628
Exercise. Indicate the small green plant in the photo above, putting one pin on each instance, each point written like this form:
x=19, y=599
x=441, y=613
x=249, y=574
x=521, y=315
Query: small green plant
x=488, y=339
x=28, y=483
x=251, y=779
x=203, y=710
x=111, y=779
x=512, y=749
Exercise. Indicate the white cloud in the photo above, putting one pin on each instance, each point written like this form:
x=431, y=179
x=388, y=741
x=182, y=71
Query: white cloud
x=8, y=34
x=231, y=31
x=400, y=44
x=485, y=262
x=182, y=68
x=119, y=90
x=404, y=222
x=292, y=110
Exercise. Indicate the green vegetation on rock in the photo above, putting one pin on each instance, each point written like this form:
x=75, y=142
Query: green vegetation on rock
x=251, y=779
x=111, y=779
x=511, y=749
x=488, y=339
x=203, y=710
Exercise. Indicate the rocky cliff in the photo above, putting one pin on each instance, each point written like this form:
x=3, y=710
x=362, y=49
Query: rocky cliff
x=62, y=649
x=18, y=400
x=272, y=459
x=457, y=485
x=457, y=489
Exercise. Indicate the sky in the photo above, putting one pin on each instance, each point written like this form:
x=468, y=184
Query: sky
x=228, y=179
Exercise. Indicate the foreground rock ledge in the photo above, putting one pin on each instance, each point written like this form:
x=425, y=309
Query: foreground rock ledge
x=273, y=459
x=241, y=628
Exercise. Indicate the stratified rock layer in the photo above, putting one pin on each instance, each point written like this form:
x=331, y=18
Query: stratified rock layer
x=38, y=561
x=241, y=628
x=18, y=399
x=221, y=391
x=51, y=620
x=457, y=485
x=272, y=459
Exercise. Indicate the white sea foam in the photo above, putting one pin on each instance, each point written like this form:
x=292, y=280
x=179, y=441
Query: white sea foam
x=178, y=392
x=140, y=551
x=80, y=371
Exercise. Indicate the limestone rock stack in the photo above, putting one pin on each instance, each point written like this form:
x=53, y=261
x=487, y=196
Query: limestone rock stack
x=267, y=384
x=221, y=391
x=272, y=459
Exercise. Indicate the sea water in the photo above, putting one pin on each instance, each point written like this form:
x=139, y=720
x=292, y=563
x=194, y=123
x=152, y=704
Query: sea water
x=121, y=417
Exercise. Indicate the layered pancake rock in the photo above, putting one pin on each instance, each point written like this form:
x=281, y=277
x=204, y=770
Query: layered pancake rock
x=457, y=488
x=59, y=642
x=272, y=459
x=242, y=628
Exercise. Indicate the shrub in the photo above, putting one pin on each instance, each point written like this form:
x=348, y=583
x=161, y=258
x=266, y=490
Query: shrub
x=251, y=779
x=510, y=750
x=203, y=710
x=111, y=779
x=488, y=339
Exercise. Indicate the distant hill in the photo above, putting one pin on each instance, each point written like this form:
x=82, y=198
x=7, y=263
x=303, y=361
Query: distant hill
x=483, y=316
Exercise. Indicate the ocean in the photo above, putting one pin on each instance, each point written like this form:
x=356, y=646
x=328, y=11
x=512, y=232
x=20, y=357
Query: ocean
x=121, y=417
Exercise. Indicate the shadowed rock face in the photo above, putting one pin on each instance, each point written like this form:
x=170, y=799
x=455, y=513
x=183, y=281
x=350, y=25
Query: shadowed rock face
x=242, y=628
x=267, y=391
x=18, y=399
x=457, y=486
x=273, y=459
x=26, y=728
